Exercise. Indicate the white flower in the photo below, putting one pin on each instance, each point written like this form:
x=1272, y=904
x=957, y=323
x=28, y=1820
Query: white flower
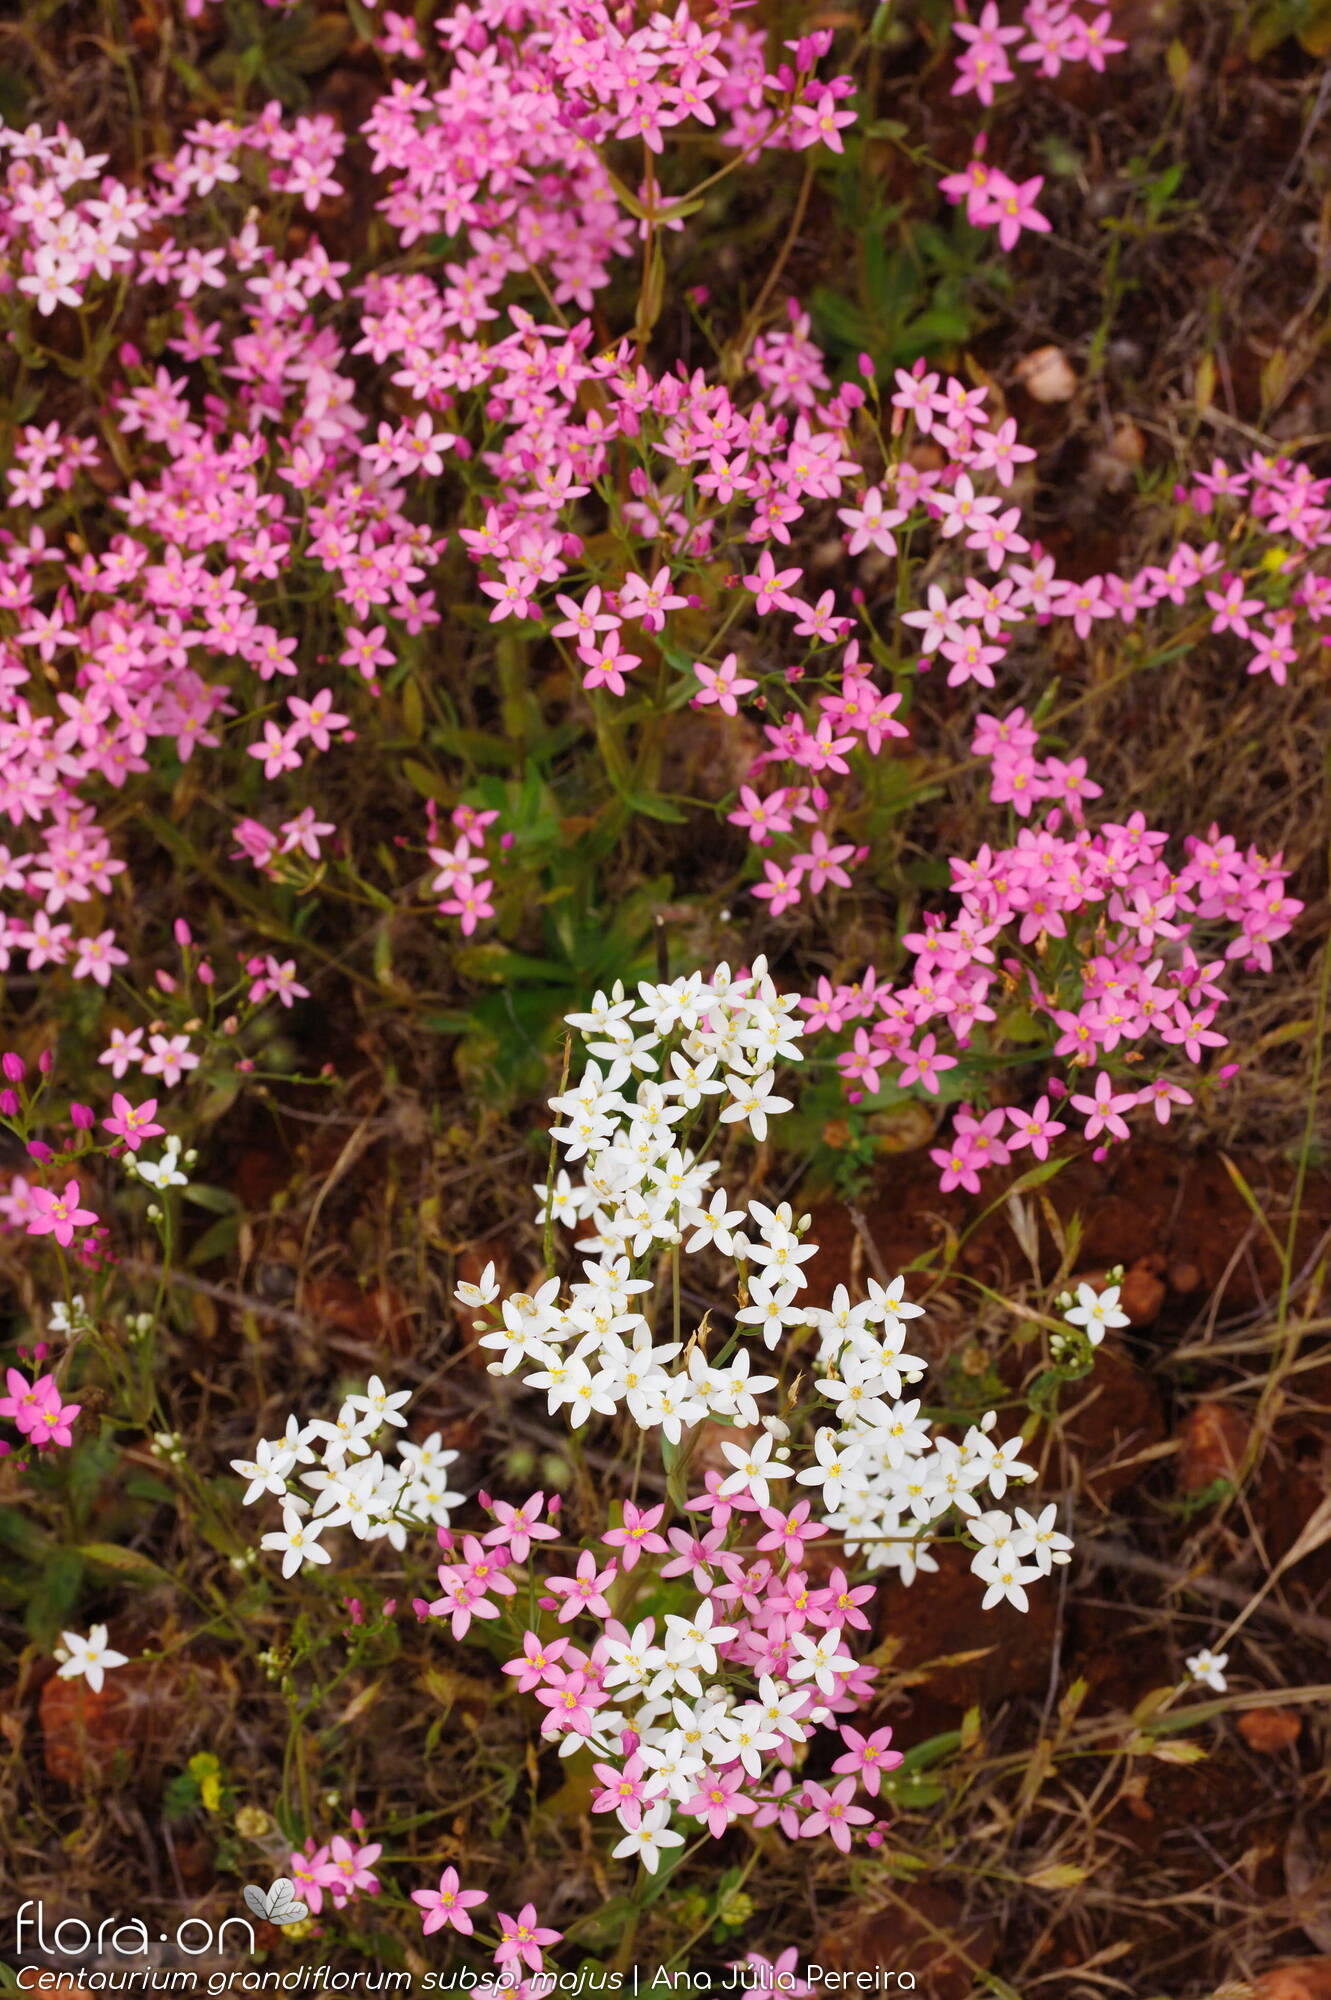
x=1002, y=1463
x=835, y=1458
x=266, y=1471
x=748, y=1735
x=298, y=1540
x=820, y=1661
x=782, y=1707
x=714, y=1224
x=425, y=1459
x=1006, y=1576
x=648, y=1837
x=1095, y=1311
x=753, y=1468
x=160, y=1174
x=88, y=1657
x=1039, y=1538
x=753, y=1101
x=1208, y=1669
x=483, y=1293
x=377, y=1403
x=690, y=1644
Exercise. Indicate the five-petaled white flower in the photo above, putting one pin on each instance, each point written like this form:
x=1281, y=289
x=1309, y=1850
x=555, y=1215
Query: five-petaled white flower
x=87, y=1658
x=1208, y=1669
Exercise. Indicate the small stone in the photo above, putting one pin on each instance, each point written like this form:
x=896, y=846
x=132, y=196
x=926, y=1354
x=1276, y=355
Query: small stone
x=1047, y=375
x=1268, y=1730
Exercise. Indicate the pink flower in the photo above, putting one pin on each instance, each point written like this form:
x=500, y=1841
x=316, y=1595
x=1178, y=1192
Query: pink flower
x=348, y=1870
x=722, y=684
x=316, y=719
x=277, y=752
x=22, y=1405
x=123, y=1050
x=281, y=980
x=365, y=651
x=781, y=889
x=959, y=1168
x=768, y=584
x=719, y=1799
x=922, y=1066
x=96, y=957
x=867, y=1757
x=518, y=1527
x=1011, y=205
x=636, y=1537
x=169, y=1057
x=833, y=1813
x=59, y=1215
x=536, y=1660
x=1162, y=1096
x=776, y=1976
x=1034, y=1128
x=448, y=1904
x=1102, y=1111
x=607, y=664
x=521, y=1937
x=133, y=1124
x=584, y=1591
x=54, y=1420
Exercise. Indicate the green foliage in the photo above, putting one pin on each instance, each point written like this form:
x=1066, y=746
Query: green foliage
x=1307, y=21
x=918, y=284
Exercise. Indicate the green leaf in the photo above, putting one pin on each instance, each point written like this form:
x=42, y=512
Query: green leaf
x=1036, y=1176
x=88, y=1467
x=126, y=1562
x=653, y=807
x=22, y=1536
x=880, y=27
x=145, y=1486
x=931, y=1751
x=54, y=1596
x=217, y=1201
x=428, y=783
x=215, y=1241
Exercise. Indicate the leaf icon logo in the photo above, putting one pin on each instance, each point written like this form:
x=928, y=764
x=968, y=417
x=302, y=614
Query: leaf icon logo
x=277, y=1905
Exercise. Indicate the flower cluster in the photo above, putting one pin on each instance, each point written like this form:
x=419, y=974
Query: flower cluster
x=658, y=1059
x=1052, y=34
x=696, y=1050
x=37, y=1410
x=340, y=1870
x=1084, y=938
x=701, y=1712
x=627, y=518
x=351, y=1481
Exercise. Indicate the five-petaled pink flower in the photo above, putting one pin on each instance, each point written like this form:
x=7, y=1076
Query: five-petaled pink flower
x=448, y=1904
x=59, y=1215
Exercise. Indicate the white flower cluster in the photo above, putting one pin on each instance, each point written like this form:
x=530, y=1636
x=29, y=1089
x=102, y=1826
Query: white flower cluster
x=886, y=1476
x=352, y=1483
x=704, y=1049
x=596, y=1351
x=69, y=1319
